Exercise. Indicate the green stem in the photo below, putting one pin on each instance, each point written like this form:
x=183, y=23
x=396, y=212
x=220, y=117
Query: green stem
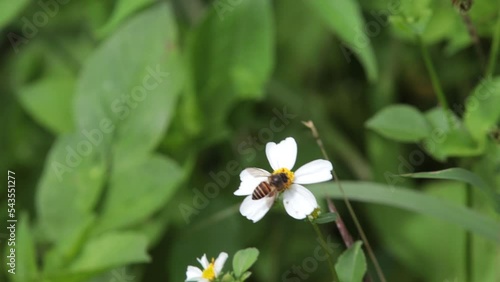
x=325, y=248
x=435, y=81
x=468, y=237
x=494, y=50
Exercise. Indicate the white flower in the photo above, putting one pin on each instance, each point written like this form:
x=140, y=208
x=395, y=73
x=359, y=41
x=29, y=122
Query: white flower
x=298, y=201
x=210, y=270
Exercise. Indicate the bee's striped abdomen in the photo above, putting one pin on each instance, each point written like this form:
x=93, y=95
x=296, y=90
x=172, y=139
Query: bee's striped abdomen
x=262, y=190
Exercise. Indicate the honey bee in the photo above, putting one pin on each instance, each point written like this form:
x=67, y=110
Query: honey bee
x=275, y=183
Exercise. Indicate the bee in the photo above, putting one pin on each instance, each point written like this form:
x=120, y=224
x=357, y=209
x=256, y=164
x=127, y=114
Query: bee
x=274, y=184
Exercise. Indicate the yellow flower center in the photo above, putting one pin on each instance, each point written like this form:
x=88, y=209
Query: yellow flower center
x=289, y=176
x=209, y=272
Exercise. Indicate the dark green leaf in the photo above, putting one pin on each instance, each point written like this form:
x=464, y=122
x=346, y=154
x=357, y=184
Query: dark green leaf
x=232, y=56
x=351, y=265
x=345, y=19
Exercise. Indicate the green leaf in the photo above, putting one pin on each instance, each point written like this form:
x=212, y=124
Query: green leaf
x=245, y=276
x=463, y=175
x=345, y=19
x=243, y=260
x=401, y=123
x=227, y=278
x=326, y=218
x=413, y=239
x=446, y=142
x=413, y=201
x=70, y=185
x=132, y=82
x=9, y=10
x=26, y=266
x=68, y=246
x=482, y=110
x=351, y=265
x=111, y=250
x=232, y=56
x=49, y=102
x=133, y=197
x=122, y=10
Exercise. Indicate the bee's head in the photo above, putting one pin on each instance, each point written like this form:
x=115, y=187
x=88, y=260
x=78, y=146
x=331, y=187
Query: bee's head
x=279, y=178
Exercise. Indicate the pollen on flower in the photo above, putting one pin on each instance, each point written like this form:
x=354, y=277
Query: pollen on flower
x=289, y=176
x=209, y=272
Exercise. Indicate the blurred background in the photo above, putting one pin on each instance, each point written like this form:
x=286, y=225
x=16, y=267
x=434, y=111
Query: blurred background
x=127, y=123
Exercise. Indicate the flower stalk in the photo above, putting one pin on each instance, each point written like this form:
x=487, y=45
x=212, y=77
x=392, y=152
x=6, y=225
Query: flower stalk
x=322, y=241
x=435, y=80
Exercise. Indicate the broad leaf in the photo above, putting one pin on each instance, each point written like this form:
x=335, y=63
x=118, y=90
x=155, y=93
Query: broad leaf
x=243, y=260
x=345, y=19
x=351, y=265
x=111, y=250
x=122, y=10
x=133, y=197
x=482, y=110
x=401, y=123
x=232, y=55
x=49, y=101
x=70, y=186
x=413, y=201
x=136, y=95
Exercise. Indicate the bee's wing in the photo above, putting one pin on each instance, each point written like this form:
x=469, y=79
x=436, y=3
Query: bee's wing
x=255, y=172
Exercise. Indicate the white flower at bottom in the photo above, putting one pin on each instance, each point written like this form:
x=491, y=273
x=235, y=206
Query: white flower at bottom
x=210, y=269
x=299, y=202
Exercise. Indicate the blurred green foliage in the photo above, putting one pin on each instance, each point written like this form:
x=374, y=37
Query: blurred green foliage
x=127, y=124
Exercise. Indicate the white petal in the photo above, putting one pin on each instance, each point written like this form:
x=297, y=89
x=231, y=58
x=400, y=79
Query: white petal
x=283, y=154
x=256, y=209
x=219, y=262
x=193, y=273
x=299, y=202
x=314, y=172
x=203, y=261
x=249, y=182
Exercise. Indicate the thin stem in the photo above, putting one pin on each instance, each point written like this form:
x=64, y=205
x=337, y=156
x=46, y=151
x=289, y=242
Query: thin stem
x=371, y=254
x=494, y=50
x=325, y=248
x=468, y=238
x=380, y=273
x=475, y=38
x=434, y=79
